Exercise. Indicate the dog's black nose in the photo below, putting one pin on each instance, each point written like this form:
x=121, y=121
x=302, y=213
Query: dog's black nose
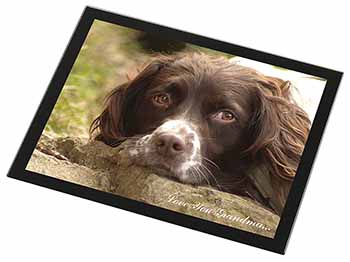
x=169, y=145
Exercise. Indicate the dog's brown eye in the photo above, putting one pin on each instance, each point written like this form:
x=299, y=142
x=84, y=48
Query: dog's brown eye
x=161, y=100
x=224, y=116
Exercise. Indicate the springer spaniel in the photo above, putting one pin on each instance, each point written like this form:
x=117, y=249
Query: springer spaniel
x=204, y=120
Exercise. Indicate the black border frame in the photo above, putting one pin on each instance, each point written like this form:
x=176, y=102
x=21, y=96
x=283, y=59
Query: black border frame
x=277, y=244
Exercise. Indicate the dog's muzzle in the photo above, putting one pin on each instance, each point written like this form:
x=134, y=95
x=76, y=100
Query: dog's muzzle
x=174, y=147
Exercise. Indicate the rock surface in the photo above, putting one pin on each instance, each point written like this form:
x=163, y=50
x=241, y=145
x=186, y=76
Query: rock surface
x=95, y=165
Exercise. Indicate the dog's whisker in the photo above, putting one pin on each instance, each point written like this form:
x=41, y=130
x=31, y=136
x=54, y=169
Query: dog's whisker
x=203, y=175
x=210, y=162
x=194, y=174
x=209, y=173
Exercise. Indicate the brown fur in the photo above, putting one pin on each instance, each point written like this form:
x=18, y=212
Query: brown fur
x=273, y=129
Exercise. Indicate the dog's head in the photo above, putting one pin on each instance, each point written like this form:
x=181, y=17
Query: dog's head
x=192, y=115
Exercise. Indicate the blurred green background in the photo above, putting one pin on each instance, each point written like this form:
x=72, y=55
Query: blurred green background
x=108, y=55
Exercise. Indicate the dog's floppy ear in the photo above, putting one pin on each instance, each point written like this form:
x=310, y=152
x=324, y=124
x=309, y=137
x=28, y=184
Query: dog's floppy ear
x=107, y=127
x=279, y=129
x=111, y=126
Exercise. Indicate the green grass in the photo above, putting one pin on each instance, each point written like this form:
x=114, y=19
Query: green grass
x=108, y=54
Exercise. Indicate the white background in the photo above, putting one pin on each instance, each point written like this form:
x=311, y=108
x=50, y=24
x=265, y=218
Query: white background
x=38, y=224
